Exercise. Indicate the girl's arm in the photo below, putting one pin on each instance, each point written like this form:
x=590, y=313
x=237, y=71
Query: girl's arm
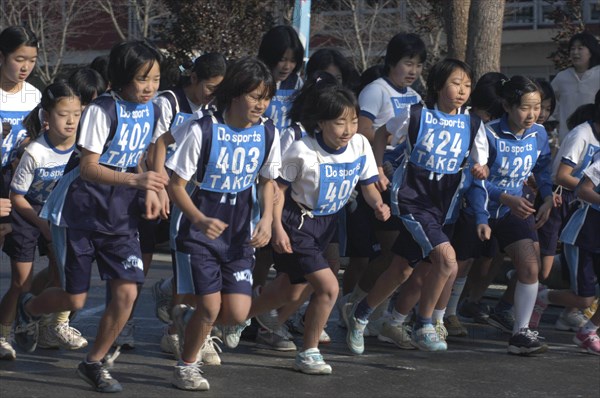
x=564, y=177
x=379, y=144
x=211, y=227
x=93, y=171
x=28, y=213
x=373, y=199
x=585, y=191
x=365, y=127
x=266, y=196
x=160, y=153
x=281, y=241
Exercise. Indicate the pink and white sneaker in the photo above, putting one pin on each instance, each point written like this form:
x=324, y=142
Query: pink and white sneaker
x=589, y=342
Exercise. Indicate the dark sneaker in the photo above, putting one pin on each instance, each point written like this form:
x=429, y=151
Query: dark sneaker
x=96, y=375
x=503, y=320
x=526, y=342
x=26, y=328
x=474, y=312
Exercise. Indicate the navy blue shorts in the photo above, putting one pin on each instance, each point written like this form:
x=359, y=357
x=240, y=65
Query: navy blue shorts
x=152, y=232
x=308, y=243
x=205, y=272
x=20, y=244
x=117, y=256
x=584, y=270
x=467, y=244
x=360, y=231
x=419, y=234
x=549, y=232
x=510, y=229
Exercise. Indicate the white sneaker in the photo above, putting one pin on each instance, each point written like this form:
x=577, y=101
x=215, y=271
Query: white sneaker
x=169, y=343
x=210, y=351
x=374, y=327
x=398, y=335
x=61, y=336
x=6, y=350
x=572, y=321
x=311, y=362
x=125, y=338
x=189, y=377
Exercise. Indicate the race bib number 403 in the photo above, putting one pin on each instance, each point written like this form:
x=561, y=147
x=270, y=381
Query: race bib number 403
x=235, y=158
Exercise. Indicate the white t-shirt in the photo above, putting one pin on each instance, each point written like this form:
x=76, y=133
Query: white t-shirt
x=380, y=101
x=306, y=159
x=572, y=92
x=40, y=168
x=166, y=115
x=593, y=172
x=577, y=150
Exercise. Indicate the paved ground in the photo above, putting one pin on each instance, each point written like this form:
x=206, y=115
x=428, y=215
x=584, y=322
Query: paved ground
x=475, y=366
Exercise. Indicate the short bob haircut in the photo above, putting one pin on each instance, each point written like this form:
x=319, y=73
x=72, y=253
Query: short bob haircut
x=403, y=45
x=206, y=66
x=14, y=37
x=275, y=43
x=547, y=93
x=127, y=58
x=88, y=82
x=484, y=96
x=439, y=74
x=512, y=90
x=324, y=58
x=242, y=77
x=322, y=98
x=587, y=40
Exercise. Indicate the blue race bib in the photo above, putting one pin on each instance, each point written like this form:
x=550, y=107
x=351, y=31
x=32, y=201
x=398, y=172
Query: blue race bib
x=43, y=183
x=586, y=161
x=16, y=135
x=401, y=103
x=133, y=134
x=442, y=143
x=235, y=158
x=514, y=161
x=336, y=182
x=279, y=107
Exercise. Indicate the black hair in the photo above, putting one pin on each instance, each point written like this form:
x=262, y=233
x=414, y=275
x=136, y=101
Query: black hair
x=484, y=96
x=321, y=98
x=100, y=65
x=205, y=67
x=512, y=90
x=242, y=77
x=127, y=58
x=369, y=75
x=403, y=45
x=547, y=93
x=439, y=74
x=88, y=83
x=274, y=44
x=51, y=95
x=590, y=42
x=14, y=37
x=582, y=114
x=325, y=57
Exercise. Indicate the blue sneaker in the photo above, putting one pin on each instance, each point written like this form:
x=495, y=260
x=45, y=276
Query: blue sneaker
x=232, y=334
x=355, y=329
x=426, y=338
x=26, y=328
x=96, y=375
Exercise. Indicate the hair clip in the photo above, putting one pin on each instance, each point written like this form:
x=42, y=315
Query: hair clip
x=504, y=81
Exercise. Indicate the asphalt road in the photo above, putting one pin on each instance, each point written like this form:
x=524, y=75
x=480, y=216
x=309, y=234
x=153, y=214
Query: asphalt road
x=473, y=366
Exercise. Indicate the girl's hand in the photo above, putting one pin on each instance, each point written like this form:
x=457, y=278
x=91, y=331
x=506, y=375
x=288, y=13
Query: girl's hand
x=211, y=227
x=5, y=207
x=557, y=200
x=150, y=180
x=262, y=233
x=480, y=172
x=383, y=182
x=281, y=241
x=543, y=212
x=153, y=206
x=519, y=206
x=382, y=211
x=165, y=204
x=484, y=232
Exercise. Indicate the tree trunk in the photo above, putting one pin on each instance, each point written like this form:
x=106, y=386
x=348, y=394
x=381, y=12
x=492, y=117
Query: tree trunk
x=485, y=36
x=456, y=21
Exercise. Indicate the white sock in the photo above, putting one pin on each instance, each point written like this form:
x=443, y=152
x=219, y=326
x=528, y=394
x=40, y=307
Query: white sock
x=457, y=289
x=525, y=295
x=438, y=315
x=589, y=327
x=397, y=318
